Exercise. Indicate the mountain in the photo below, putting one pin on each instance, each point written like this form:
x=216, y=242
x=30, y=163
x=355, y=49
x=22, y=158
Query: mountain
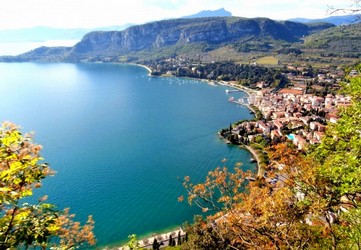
x=210, y=13
x=338, y=41
x=185, y=36
x=336, y=20
x=40, y=34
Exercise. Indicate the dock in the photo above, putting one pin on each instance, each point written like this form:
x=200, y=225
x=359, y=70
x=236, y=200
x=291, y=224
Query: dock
x=232, y=90
x=244, y=101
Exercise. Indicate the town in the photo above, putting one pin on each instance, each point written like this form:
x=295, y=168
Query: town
x=289, y=114
x=291, y=102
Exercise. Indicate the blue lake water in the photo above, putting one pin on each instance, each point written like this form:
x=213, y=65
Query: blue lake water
x=119, y=139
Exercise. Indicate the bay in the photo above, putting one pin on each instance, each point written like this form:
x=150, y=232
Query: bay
x=121, y=141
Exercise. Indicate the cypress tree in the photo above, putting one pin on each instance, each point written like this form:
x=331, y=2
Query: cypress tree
x=170, y=240
x=179, y=239
x=155, y=244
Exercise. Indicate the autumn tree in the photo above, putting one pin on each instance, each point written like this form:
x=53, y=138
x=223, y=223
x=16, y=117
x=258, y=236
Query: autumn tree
x=24, y=225
x=257, y=215
x=309, y=200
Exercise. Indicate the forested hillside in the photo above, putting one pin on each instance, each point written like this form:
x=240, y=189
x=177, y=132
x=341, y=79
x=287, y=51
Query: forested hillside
x=339, y=41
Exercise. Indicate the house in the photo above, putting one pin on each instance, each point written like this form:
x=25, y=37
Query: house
x=321, y=128
x=278, y=124
x=300, y=142
x=334, y=119
x=291, y=91
x=318, y=135
x=275, y=134
x=251, y=138
x=314, y=141
x=314, y=125
x=277, y=115
x=353, y=73
x=265, y=128
x=305, y=119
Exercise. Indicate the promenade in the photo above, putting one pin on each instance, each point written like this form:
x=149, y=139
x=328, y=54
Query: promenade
x=162, y=239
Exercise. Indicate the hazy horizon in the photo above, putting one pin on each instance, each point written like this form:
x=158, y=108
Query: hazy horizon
x=16, y=14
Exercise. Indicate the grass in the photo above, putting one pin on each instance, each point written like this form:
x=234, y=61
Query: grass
x=268, y=60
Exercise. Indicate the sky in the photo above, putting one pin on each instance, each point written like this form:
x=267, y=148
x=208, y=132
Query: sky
x=16, y=14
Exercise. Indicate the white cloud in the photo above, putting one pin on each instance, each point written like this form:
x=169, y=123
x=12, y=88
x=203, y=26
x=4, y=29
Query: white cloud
x=96, y=13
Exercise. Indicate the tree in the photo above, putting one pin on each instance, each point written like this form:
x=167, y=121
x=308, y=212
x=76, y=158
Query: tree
x=155, y=244
x=179, y=240
x=340, y=153
x=170, y=240
x=306, y=201
x=353, y=8
x=133, y=242
x=339, y=157
x=261, y=214
x=32, y=225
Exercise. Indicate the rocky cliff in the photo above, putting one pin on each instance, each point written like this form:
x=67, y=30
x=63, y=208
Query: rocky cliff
x=214, y=31
x=184, y=31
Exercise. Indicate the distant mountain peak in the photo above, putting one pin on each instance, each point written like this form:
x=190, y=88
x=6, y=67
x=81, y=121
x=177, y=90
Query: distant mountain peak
x=210, y=13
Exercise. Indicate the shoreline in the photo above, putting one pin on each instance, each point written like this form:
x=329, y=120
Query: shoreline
x=244, y=89
x=163, y=238
x=260, y=170
x=143, y=66
x=146, y=67
x=146, y=241
x=248, y=91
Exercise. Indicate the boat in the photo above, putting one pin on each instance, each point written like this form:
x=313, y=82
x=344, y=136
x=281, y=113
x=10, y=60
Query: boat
x=252, y=160
x=231, y=99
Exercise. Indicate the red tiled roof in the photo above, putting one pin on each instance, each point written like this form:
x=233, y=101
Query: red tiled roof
x=291, y=91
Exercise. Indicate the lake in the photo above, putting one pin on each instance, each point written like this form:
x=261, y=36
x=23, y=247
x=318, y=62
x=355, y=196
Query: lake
x=120, y=140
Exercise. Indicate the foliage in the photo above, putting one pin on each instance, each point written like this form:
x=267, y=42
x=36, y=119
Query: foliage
x=340, y=152
x=32, y=225
x=173, y=248
x=309, y=201
x=245, y=74
x=337, y=41
x=133, y=242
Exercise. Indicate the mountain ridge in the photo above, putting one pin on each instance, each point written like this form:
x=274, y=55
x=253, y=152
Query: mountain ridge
x=211, y=33
x=336, y=20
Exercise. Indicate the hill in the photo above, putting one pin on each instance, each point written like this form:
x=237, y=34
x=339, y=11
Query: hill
x=339, y=41
x=212, y=38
